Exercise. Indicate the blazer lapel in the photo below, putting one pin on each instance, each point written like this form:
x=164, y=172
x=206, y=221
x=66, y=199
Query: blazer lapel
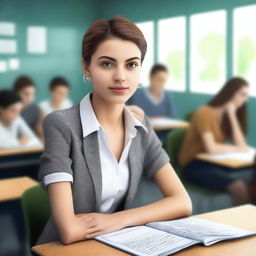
x=92, y=157
x=134, y=167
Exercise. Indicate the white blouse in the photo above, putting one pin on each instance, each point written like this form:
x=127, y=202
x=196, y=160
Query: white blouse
x=9, y=136
x=47, y=108
x=115, y=175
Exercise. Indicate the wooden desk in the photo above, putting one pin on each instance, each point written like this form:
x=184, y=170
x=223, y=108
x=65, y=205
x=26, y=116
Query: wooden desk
x=161, y=124
x=243, y=217
x=20, y=157
x=11, y=189
x=224, y=162
x=19, y=151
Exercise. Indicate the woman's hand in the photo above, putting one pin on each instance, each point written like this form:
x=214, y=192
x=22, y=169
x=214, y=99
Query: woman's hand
x=24, y=140
x=95, y=224
x=231, y=108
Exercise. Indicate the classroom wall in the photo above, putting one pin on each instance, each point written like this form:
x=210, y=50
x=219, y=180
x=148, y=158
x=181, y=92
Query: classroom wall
x=66, y=22
x=145, y=10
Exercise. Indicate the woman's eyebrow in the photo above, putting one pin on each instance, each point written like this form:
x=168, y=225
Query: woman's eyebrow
x=110, y=58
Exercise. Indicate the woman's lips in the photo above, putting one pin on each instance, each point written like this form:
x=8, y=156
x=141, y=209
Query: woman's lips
x=118, y=89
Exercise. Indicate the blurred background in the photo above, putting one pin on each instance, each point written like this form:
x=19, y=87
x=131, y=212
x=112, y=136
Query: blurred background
x=201, y=44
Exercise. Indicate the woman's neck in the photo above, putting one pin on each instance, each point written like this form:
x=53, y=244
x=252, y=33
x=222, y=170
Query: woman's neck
x=4, y=122
x=155, y=93
x=55, y=105
x=110, y=116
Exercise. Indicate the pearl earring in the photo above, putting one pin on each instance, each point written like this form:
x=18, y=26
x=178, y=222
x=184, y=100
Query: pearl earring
x=86, y=78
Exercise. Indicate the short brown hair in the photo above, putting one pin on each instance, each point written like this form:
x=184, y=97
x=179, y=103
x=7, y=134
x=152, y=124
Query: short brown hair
x=104, y=29
x=58, y=81
x=8, y=98
x=157, y=68
x=22, y=82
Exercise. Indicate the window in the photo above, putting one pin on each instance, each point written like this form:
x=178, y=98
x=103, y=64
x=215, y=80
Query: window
x=244, y=50
x=207, y=52
x=171, y=50
x=147, y=29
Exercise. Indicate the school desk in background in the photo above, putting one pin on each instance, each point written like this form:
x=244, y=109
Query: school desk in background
x=18, y=159
x=162, y=123
x=231, y=160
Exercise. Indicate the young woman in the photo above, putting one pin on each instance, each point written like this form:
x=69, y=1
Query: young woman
x=223, y=118
x=59, y=89
x=31, y=113
x=96, y=152
x=14, y=132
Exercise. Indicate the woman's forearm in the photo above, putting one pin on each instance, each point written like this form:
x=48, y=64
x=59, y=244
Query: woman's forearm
x=237, y=134
x=220, y=148
x=170, y=207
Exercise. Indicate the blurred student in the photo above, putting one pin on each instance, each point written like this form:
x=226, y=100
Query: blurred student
x=223, y=119
x=14, y=132
x=59, y=89
x=31, y=113
x=154, y=100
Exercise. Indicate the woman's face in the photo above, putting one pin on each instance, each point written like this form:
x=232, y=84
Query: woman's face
x=115, y=70
x=158, y=80
x=10, y=113
x=59, y=94
x=27, y=95
x=241, y=96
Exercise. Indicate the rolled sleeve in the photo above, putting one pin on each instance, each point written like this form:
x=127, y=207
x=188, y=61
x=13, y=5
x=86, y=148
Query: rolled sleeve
x=155, y=157
x=56, y=177
x=56, y=156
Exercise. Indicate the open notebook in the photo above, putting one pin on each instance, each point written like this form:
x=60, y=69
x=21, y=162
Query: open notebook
x=167, y=237
x=164, y=121
x=247, y=156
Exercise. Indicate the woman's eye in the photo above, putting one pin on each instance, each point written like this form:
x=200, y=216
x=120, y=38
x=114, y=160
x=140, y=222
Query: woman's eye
x=132, y=64
x=106, y=64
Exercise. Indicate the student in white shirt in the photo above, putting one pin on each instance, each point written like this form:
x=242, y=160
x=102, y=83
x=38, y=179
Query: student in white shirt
x=14, y=132
x=25, y=87
x=59, y=89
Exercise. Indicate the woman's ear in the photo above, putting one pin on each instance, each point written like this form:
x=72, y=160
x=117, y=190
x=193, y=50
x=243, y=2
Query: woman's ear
x=85, y=68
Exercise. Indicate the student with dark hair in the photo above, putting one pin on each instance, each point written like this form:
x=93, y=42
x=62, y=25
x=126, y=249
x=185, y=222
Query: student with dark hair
x=97, y=151
x=223, y=119
x=31, y=113
x=154, y=100
x=59, y=89
x=14, y=132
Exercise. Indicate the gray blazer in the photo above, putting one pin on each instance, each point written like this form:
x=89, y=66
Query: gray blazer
x=67, y=151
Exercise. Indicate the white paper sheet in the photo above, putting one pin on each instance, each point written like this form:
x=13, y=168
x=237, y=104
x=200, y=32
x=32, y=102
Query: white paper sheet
x=36, y=40
x=8, y=46
x=7, y=29
x=208, y=232
x=145, y=241
x=3, y=66
x=247, y=156
x=164, y=121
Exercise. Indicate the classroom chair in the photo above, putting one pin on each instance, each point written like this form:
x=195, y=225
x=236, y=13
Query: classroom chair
x=36, y=211
x=203, y=199
x=188, y=116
